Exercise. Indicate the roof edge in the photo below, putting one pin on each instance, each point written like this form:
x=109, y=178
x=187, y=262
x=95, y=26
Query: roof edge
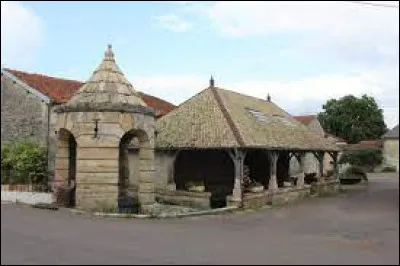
x=228, y=118
x=34, y=91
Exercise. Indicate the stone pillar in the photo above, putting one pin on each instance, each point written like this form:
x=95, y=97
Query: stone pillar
x=238, y=160
x=301, y=157
x=273, y=184
x=146, y=191
x=320, y=158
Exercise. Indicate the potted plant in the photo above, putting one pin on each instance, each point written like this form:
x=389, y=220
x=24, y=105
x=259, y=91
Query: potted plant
x=196, y=186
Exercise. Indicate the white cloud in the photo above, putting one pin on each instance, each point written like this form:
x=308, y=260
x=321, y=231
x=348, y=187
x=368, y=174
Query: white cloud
x=298, y=97
x=21, y=34
x=350, y=30
x=174, y=23
x=173, y=88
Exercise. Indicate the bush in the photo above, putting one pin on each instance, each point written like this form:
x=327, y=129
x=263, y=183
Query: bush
x=367, y=158
x=353, y=175
x=389, y=169
x=23, y=162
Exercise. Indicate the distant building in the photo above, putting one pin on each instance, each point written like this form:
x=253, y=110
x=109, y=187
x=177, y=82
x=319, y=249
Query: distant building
x=391, y=147
x=313, y=124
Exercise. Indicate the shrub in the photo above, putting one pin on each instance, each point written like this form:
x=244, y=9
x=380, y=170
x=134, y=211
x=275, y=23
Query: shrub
x=23, y=162
x=353, y=175
x=367, y=158
x=389, y=169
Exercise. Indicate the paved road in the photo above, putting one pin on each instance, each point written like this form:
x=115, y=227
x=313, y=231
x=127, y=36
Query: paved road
x=356, y=228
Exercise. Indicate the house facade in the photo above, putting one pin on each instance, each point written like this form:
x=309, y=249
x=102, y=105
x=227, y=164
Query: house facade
x=391, y=147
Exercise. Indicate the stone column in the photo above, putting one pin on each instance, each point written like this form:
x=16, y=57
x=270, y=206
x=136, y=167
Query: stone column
x=301, y=157
x=320, y=158
x=273, y=184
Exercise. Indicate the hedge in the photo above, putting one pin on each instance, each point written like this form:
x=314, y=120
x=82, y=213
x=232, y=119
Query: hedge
x=23, y=162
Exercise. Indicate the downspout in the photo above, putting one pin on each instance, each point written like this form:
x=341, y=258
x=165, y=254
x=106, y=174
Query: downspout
x=48, y=142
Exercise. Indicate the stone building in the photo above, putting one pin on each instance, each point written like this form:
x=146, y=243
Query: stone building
x=108, y=143
x=391, y=147
x=216, y=135
x=311, y=162
x=28, y=102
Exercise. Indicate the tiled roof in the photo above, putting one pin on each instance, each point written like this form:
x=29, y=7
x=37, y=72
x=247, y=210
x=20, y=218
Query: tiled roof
x=61, y=90
x=365, y=144
x=219, y=118
x=305, y=119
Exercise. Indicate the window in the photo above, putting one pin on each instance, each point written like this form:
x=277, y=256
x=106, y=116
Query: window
x=261, y=117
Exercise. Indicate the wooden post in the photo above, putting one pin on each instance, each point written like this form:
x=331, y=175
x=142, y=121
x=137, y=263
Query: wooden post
x=171, y=171
x=320, y=157
x=273, y=184
x=301, y=158
x=238, y=160
x=334, y=156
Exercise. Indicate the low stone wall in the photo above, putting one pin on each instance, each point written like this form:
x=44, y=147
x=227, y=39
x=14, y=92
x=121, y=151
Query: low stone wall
x=199, y=200
x=282, y=196
x=326, y=188
x=24, y=194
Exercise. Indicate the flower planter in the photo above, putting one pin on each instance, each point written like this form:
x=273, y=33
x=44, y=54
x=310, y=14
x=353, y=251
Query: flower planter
x=256, y=189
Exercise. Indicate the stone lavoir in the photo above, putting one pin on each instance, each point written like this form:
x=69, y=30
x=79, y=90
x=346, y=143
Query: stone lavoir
x=113, y=154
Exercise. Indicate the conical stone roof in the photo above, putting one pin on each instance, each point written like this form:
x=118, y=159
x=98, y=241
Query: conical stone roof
x=107, y=90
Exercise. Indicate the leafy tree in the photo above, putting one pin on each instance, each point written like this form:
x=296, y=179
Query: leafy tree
x=353, y=119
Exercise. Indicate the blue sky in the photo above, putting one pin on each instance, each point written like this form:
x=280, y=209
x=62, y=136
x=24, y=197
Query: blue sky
x=301, y=53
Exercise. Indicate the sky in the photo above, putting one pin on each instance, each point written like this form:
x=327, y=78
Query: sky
x=301, y=53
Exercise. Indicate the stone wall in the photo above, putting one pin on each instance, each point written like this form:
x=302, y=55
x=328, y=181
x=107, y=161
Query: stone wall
x=163, y=174
x=266, y=197
x=23, y=114
x=199, y=200
x=391, y=152
x=97, y=163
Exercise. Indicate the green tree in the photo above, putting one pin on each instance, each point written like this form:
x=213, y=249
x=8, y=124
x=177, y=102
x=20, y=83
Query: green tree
x=353, y=119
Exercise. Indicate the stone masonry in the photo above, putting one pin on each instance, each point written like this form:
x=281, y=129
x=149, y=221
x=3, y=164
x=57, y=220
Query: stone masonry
x=109, y=101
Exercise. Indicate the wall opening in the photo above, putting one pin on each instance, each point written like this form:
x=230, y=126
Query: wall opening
x=130, y=165
x=213, y=168
x=66, y=168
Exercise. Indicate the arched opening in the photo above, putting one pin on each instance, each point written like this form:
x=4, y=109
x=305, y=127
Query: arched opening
x=213, y=168
x=258, y=165
x=66, y=167
x=130, y=168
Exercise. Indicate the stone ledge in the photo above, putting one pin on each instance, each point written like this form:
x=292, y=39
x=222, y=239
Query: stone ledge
x=149, y=216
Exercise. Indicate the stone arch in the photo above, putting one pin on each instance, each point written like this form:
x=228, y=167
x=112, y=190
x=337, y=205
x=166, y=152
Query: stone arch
x=65, y=167
x=134, y=142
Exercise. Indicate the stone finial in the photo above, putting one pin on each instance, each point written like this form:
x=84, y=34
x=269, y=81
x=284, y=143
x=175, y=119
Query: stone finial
x=268, y=98
x=212, y=83
x=109, y=51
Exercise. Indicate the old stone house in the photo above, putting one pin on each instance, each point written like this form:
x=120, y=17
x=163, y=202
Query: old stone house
x=391, y=147
x=311, y=162
x=28, y=102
